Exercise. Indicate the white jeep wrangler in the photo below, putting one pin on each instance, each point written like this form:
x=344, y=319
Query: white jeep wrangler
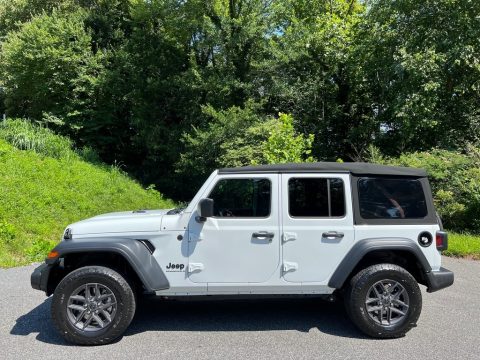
x=366, y=232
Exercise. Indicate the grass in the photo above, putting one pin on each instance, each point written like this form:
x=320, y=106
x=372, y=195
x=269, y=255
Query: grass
x=45, y=187
x=463, y=245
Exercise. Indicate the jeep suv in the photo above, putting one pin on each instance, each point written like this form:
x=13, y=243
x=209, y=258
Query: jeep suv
x=366, y=233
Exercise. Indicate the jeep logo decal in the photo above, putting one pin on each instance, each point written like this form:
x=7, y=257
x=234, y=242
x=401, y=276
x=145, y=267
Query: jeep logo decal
x=175, y=267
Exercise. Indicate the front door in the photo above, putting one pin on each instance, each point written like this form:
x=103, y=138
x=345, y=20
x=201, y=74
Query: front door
x=317, y=225
x=241, y=242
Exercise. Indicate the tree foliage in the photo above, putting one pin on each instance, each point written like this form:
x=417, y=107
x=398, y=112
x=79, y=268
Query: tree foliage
x=48, y=68
x=284, y=145
x=173, y=89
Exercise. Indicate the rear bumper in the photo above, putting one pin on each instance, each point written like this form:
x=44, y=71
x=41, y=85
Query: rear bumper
x=39, y=277
x=440, y=279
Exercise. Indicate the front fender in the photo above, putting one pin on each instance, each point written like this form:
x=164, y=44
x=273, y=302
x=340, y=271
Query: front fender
x=133, y=251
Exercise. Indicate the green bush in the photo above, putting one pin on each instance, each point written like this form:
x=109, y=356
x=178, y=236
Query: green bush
x=284, y=145
x=25, y=135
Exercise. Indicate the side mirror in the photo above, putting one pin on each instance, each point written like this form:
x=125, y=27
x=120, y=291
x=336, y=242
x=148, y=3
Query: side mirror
x=205, y=209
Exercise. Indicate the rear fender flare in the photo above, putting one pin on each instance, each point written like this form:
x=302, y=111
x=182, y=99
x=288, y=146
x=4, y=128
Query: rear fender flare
x=365, y=246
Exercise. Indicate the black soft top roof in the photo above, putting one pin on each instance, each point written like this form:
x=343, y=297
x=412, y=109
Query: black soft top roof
x=357, y=168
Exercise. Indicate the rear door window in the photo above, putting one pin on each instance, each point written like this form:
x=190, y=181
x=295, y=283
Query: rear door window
x=382, y=198
x=316, y=197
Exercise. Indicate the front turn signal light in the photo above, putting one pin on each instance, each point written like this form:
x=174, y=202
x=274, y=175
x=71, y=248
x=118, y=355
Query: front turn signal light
x=53, y=254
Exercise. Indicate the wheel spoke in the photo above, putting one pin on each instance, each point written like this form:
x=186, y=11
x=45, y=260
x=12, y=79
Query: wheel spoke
x=107, y=315
x=98, y=320
x=78, y=298
x=371, y=300
x=398, y=294
x=374, y=308
x=389, y=314
x=398, y=311
x=380, y=315
x=76, y=307
x=401, y=303
x=104, y=296
x=80, y=317
x=88, y=321
x=106, y=306
x=375, y=290
x=392, y=288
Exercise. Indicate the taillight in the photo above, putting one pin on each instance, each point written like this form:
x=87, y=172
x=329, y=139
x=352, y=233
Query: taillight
x=441, y=240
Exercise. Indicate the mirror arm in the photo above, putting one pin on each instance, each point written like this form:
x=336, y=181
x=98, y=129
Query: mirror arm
x=200, y=219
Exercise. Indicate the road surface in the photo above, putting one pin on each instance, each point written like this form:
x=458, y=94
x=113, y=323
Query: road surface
x=449, y=327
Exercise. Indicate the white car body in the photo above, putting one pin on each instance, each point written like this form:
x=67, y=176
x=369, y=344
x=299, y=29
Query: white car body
x=220, y=256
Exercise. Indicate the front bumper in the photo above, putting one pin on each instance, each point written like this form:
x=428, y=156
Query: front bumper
x=440, y=279
x=39, y=277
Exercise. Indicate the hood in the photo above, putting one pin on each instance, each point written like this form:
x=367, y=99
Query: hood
x=120, y=222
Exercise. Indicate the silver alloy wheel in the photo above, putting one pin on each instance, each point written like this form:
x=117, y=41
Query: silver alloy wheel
x=91, y=307
x=387, y=302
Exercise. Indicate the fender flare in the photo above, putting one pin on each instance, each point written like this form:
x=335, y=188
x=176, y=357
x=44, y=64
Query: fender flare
x=133, y=251
x=365, y=246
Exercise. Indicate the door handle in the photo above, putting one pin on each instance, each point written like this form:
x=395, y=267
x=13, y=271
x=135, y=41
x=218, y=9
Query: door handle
x=263, y=235
x=333, y=235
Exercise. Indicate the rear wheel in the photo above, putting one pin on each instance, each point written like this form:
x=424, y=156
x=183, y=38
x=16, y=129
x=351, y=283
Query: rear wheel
x=93, y=305
x=384, y=301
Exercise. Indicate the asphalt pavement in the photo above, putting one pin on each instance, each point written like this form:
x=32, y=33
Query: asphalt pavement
x=449, y=327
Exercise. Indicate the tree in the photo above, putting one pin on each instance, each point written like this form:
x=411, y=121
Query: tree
x=47, y=67
x=239, y=137
x=418, y=63
x=307, y=72
x=233, y=137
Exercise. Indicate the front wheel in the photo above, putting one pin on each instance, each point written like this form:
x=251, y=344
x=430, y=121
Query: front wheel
x=384, y=301
x=93, y=305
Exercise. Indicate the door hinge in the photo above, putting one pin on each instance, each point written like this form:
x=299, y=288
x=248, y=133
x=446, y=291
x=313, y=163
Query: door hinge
x=192, y=267
x=289, y=266
x=193, y=237
x=289, y=236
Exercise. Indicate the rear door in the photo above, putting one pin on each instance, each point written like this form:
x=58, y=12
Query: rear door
x=317, y=225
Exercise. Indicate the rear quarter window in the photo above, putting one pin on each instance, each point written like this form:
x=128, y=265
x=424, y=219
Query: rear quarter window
x=382, y=198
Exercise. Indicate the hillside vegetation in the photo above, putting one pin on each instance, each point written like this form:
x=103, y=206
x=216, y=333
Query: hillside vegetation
x=45, y=185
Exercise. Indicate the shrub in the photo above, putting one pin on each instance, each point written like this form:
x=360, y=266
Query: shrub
x=284, y=145
x=25, y=135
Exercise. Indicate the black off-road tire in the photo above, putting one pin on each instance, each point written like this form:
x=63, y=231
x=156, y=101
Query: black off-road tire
x=125, y=301
x=356, y=294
